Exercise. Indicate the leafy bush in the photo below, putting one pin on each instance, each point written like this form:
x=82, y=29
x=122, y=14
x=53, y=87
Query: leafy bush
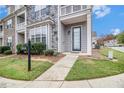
x=0, y=49
x=8, y=52
x=97, y=46
x=49, y=52
x=4, y=48
x=19, y=48
x=36, y=48
x=55, y=53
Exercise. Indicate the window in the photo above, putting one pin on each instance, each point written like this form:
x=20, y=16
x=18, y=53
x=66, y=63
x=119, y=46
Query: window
x=37, y=37
x=32, y=38
x=9, y=24
x=38, y=34
x=76, y=8
x=9, y=41
x=18, y=7
x=1, y=27
x=8, y=10
x=44, y=31
x=39, y=7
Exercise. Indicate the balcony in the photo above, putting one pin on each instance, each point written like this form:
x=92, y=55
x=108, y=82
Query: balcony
x=70, y=9
x=18, y=7
x=40, y=15
x=20, y=22
x=70, y=14
x=20, y=26
x=1, y=34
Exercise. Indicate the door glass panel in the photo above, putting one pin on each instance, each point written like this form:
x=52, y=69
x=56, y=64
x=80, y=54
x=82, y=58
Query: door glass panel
x=76, y=39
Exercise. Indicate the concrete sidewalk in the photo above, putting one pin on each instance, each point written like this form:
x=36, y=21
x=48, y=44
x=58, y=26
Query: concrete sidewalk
x=54, y=78
x=121, y=49
x=116, y=81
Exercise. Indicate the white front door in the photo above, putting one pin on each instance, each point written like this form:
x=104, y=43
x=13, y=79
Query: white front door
x=76, y=39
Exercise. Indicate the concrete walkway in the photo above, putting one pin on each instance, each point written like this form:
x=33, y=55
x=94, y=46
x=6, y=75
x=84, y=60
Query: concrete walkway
x=60, y=69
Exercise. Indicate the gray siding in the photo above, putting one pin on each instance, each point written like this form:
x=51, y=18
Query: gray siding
x=68, y=37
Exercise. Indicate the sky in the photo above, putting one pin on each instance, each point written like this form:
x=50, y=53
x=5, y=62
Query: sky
x=105, y=19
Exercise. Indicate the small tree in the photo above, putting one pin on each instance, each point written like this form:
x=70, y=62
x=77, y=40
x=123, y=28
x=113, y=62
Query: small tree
x=120, y=38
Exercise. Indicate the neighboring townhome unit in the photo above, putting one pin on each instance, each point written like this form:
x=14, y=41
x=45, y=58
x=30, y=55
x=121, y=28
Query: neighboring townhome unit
x=1, y=33
x=64, y=28
x=9, y=31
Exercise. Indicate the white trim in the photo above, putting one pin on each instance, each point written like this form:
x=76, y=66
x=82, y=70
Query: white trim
x=38, y=23
x=72, y=10
x=73, y=16
x=59, y=31
x=89, y=36
x=18, y=14
x=71, y=37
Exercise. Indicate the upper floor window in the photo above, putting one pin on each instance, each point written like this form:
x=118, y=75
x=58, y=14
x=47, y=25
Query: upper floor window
x=18, y=7
x=9, y=41
x=39, y=7
x=9, y=23
x=1, y=27
x=8, y=10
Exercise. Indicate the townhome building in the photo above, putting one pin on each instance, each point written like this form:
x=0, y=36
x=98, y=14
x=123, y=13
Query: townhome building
x=1, y=33
x=64, y=28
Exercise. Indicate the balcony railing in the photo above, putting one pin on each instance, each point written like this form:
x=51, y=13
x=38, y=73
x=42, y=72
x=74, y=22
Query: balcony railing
x=1, y=34
x=41, y=14
x=20, y=26
x=69, y=9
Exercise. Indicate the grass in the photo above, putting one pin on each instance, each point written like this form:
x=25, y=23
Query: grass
x=91, y=68
x=16, y=68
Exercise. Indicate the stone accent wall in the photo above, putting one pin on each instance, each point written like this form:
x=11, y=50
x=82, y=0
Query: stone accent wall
x=50, y=14
x=10, y=33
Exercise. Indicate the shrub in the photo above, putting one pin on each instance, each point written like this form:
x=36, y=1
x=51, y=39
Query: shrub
x=19, y=48
x=49, y=52
x=97, y=46
x=4, y=48
x=8, y=52
x=55, y=53
x=0, y=49
x=37, y=48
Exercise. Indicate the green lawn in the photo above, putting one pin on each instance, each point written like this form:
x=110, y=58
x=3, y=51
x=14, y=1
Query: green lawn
x=90, y=68
x=16, y=68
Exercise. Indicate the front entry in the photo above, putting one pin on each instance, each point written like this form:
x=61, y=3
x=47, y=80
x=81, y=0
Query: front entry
x=76, y=38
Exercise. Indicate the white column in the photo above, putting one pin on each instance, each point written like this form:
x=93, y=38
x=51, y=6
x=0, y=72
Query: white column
x=16, y=34
x=49, y=36
x=89, y=30
x=25, y=27
x=59, y=32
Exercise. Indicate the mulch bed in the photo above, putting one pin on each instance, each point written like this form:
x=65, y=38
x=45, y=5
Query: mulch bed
x=1, y=55
x=52, y=59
